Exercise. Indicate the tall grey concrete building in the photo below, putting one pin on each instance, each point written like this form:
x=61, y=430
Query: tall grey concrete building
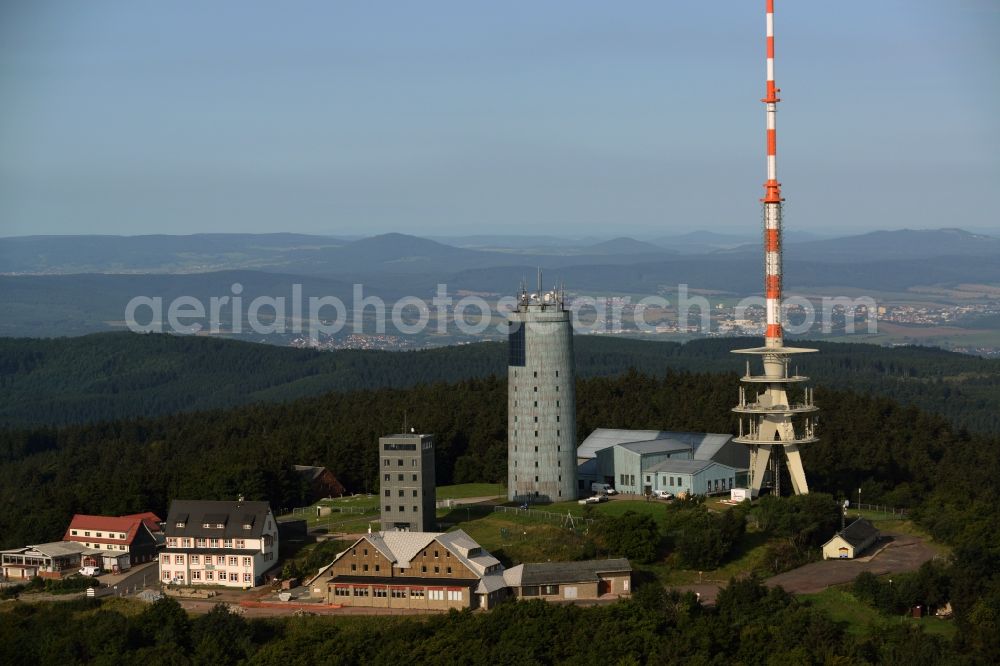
x=406, y=462
x=541, y=400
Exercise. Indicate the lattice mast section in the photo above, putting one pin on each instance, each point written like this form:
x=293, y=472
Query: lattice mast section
x=770, y=422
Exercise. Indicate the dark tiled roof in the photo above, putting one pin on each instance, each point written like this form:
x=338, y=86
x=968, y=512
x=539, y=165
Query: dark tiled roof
x=233, y=514
x=859, y=532
x=553, y=573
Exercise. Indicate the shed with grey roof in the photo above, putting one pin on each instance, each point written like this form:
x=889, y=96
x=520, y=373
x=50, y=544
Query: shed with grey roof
x=851, y=541
x=590, y=579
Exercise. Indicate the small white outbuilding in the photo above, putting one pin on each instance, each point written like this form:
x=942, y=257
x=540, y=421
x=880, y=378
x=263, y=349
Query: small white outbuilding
x=851, y=541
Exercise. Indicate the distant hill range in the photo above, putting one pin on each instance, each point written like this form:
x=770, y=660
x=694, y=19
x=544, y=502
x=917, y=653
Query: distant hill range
x=395, y=253
x=63, y=285
x=124, y=375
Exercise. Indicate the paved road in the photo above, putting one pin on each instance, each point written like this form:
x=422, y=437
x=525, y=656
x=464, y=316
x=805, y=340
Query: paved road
x=896, y=553
x=133, y=580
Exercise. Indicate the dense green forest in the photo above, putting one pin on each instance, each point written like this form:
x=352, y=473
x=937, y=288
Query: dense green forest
x=750, y=624
x=898, y=454
x=123, y=375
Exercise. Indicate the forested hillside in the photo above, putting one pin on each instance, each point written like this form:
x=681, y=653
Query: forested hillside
x=898, y=455
x=123, y=375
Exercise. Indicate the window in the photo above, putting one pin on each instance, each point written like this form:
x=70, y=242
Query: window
x=550, y=589
x=166, y=559
x=399, y=462
x=247, y=561
x=414, y=492
x=195, y=575
x=200, y=543
x=377, y=567
x=385, y=478
x=536, y=389
x=402, y=493
x=558, y=433
x=240, y=543
x=247, y=578
x=178, y=559
x=387, y=493
x=398, y=594
x=213, y=543
x=435, y=595
x=364, y=567
x=227, y=543
x=448, y=570
x=220, y=560
x=387, y=507
x=380, y=592
x=454, y=595
x=234, y=561
x=234, y=577
x=415, y=508
x=166, y=575
x=435, y=554
x=73, y=532
x=417, y=594
x=535, y=373
x=342, y=591
x=402, y=509
x=536, y=433
x=437, y=569
x=385, y=462
x=423, y=568
x=209, y=575
x=361, y=591
x=354, y=567
x=196, y=559
x=536, y=419
x=414, y=477
x=399, y=477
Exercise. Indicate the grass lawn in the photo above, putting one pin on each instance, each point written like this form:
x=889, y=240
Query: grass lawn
x=464, y=490
x=654, y=508
x=514, y=539
x=842, y=606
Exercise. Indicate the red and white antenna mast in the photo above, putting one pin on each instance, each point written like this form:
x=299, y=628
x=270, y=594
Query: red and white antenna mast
x=777, y=413
x=772, y=201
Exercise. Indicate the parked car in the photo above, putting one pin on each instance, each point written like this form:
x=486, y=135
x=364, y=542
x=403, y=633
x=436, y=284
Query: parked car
x=610, y=491
x=597, y=499
x=90, y=571
x=663, y=494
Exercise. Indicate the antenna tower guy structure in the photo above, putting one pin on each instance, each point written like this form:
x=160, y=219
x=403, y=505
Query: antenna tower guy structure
x=771, y=424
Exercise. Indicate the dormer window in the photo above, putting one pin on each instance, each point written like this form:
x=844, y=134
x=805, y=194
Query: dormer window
x=247, y=526
x=180, y=523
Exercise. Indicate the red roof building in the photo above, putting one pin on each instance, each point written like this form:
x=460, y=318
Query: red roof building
x=134, y=534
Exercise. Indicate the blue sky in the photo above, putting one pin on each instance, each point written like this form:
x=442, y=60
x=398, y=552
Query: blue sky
x=467, y=116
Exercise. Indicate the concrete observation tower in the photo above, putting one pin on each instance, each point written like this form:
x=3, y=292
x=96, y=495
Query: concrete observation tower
x=776, y=412
x=541, y=400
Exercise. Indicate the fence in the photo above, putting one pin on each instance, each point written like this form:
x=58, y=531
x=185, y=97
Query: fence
x=879, y=508
x=548, y=516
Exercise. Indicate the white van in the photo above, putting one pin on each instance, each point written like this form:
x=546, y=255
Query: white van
x=602, y=488
x=90, y=571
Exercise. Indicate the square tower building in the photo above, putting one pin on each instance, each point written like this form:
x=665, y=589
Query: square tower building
x=408, y=494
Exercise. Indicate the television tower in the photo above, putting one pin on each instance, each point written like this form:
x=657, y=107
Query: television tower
x=770, y=421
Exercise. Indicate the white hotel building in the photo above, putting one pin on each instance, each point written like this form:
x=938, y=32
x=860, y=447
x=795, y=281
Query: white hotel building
x=218, y=543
